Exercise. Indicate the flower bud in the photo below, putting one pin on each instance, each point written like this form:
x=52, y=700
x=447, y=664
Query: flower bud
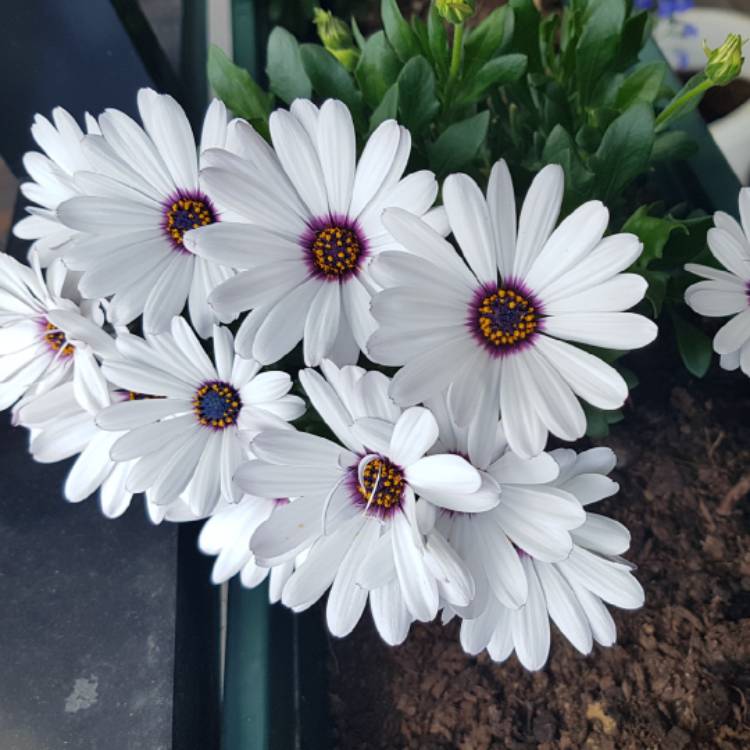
x=455, y=11
x=725, y=62
x=336, y=37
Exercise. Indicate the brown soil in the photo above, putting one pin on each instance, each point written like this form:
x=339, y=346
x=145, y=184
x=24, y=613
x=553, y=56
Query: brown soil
x=679, y=676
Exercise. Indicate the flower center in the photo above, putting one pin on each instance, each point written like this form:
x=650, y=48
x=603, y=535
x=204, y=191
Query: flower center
x=185, y=212
x=217, y=404
x=335, y=250
x=504, y=318
x=56, y=340
x=381, y=488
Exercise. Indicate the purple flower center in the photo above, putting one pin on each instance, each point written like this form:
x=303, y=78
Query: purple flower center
x=334, y=246
x=503, y=319
x=382, y=487
x=186, y=211
x=217, y=404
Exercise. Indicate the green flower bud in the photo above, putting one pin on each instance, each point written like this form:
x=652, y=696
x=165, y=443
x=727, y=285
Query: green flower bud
x=455, y=11
x=725, y=62
x=336, y=37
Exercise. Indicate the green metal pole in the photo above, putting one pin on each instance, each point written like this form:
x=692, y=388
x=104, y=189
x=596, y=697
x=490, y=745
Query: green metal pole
x=246, y=709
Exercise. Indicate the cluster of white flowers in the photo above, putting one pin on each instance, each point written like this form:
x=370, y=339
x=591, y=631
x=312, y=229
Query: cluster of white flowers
x=727, y=292
x=421, y=500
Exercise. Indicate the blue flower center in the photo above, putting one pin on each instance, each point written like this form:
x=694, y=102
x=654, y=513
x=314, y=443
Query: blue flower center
x=506, y=318
x=186, y=212
x=217, y=404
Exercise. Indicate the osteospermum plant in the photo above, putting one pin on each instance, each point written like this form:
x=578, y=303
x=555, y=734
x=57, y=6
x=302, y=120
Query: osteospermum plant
x=178, y=281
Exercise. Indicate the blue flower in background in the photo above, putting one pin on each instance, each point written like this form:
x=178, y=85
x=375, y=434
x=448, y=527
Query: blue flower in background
x=664, y=8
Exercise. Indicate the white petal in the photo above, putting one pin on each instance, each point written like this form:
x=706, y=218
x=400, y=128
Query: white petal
x=731, y=253
x=418, y=586
x=603, y=535
x=501, y=204
x=346, y=600
x=610, y=581
x=501, y=563
x=617, y=330
x=322, y=323
x=733, y=334
x=445, y=473
x=564, y=608
x=470, y=222
x=299, y=159
x=148, y=438
x=572, y=241
x=413, y=435
x=374, y=165
x=590, y=377
x=390, y=613
x=337, y=151
x=284, y=324
x=539, y=213
x=290, y=529
x=530, y=625
x=168, y=126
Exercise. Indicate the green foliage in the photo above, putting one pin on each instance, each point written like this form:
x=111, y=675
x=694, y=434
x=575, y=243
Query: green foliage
x=286, y=74
x=237, y=89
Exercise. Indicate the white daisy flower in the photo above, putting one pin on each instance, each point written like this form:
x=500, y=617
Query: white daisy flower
x=311, y=227
x=727, y=292
x=572, y=591
x=500, y=319
x=190, y=440
x=52, y=181
x=227, y=535
x=143, y=195
x=46, y=337
x=357, y=510
x=61, y=428
x=533, y=514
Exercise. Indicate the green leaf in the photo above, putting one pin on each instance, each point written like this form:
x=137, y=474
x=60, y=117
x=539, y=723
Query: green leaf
x=673, y=146
x=237, y=89
x=561, y=149
x=694, y=346
x=653, y=232
x=526, y=32
x=599, y=420
x=624, y=151
x=357, y=34
x=387, y=109
x=330, y=79
x=398, y=31
x=438, y=42
x=497, y=72
x=598, y=44
x=657, y=289
x=485, y=41
x=458, y=144
x=642, y=85
x=419, y=27
x=286, y=74
x=417, y=100
x=378, y=68
x=635, y=32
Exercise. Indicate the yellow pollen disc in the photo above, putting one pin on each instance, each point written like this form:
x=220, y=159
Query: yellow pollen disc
x=382, y=484
x=505, y=318
x=335, y=251
x=185, y=214
x=56, y=341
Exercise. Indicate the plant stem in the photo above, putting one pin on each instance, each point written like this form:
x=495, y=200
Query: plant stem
x=458, y=43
